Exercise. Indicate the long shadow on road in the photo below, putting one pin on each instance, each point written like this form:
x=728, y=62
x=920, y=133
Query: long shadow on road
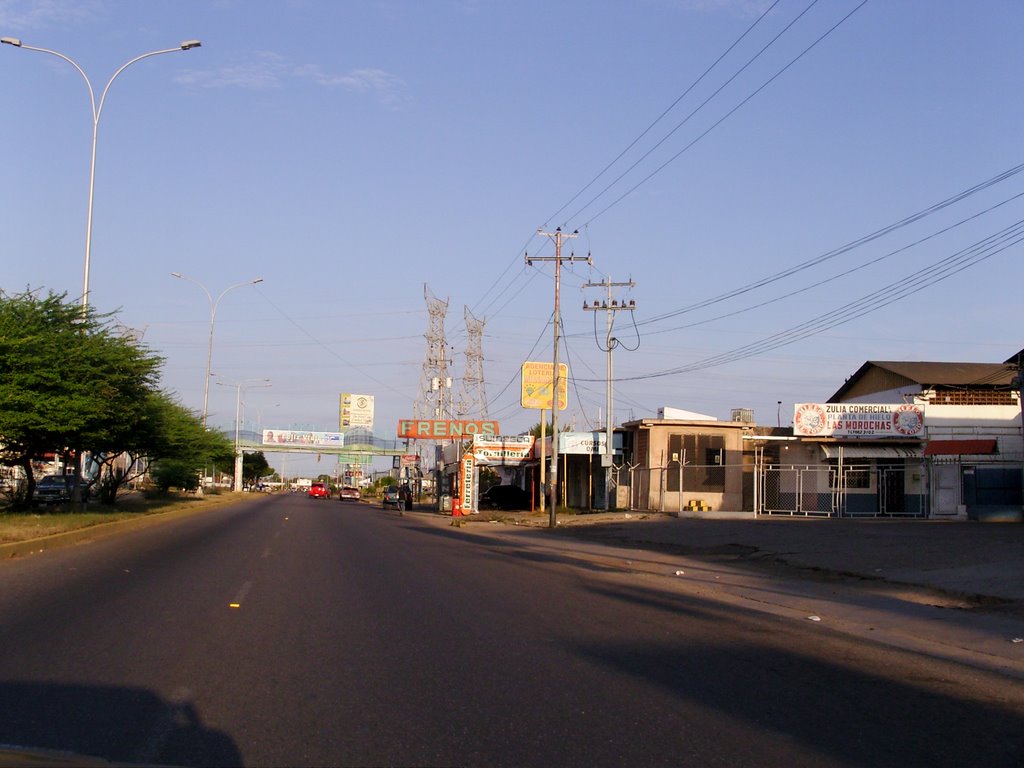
x=123, y=725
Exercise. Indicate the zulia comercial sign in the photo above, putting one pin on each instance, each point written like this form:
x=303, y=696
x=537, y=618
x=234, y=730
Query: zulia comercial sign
x=444, y=429
x=858, y=420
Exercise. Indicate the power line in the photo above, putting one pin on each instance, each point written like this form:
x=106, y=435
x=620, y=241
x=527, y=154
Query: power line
x=714, y=125
x=914, y=283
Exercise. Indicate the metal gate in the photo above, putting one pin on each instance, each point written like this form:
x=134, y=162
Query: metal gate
x=789, y=490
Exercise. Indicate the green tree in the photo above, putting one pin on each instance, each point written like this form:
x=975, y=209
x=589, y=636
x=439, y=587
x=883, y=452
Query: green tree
x=69, y=381
x=172, y=441
x=254, y=466
x=73, y=382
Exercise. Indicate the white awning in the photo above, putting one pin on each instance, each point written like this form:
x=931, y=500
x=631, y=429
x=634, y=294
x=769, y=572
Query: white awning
x=861, y=451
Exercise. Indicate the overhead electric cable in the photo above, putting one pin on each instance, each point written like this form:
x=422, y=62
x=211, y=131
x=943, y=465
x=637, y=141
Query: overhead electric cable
x=836, y=276
x=668, y=109
x=906, y=221
x=714, y=125
x=913, y=283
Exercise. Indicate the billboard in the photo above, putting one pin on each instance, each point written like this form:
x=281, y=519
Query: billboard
x=858, y=420
x=508, y=450
x=536, y=385
x=295, y=439
x=356, y=411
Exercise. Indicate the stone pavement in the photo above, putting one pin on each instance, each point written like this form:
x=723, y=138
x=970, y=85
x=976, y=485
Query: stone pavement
x=980, y=561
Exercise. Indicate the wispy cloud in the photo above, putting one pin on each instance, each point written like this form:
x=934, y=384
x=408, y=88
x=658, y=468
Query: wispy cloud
x=20, y=15
x=270, y=70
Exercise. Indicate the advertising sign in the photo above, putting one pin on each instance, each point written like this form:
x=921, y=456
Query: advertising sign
x=509, y=450
x=465, y=505
x=356, y=411
x=858, y=420
x=536, y=385
x=288, y=439
x=442, y=429
x=582, y=442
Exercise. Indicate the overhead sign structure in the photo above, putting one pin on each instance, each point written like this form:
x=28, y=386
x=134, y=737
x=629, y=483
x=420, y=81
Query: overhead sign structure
x=510, y=450
x=356, y=411
x=289, y=439
x=536, y=385
x=858, y=420
x=444, y=429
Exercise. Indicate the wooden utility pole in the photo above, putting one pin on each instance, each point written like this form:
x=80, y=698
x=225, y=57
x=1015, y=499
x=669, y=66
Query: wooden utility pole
x=558, y=236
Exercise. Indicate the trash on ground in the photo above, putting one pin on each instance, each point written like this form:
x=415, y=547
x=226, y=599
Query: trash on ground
x=814, y=618
x=680, y=573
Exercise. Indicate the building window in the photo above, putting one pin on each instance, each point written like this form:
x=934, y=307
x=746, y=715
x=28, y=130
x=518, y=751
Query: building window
x=703, y=463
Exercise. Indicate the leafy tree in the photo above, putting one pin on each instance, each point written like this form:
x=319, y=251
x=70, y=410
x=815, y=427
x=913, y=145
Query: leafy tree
x=254, y=466
x=69, y=380
x=170, y=437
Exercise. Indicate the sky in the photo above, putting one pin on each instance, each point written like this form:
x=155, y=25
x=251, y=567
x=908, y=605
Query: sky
x=785, y=190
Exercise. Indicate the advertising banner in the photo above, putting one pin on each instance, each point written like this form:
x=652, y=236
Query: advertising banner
x=510, y=450
x=288, y=439
x=356, y=411
x=536, y=385
x=858, y=420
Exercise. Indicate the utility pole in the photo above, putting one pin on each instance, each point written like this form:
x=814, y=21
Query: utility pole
x=610, y=307
x=558, y=236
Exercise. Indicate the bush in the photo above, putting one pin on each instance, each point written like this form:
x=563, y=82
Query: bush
x=170, y=473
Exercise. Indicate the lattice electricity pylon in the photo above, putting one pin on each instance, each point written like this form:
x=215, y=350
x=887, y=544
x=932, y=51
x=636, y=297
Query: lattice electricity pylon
x=434, y=398
x=472, y=395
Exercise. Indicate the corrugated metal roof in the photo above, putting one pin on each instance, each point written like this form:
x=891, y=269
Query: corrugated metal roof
x=927, y=374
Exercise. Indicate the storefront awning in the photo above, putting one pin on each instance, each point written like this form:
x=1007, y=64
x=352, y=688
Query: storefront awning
x=960, y=447
x=861, y=451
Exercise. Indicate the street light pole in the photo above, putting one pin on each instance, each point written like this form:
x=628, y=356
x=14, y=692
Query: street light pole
x=96, y=111
x=213, y=318
x=238, y=409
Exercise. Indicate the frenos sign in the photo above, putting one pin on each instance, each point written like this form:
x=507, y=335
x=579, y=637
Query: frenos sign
x=444, y=429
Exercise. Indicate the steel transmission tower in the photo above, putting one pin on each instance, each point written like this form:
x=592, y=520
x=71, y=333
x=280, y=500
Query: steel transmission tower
x=434, y=400
x=472, y=397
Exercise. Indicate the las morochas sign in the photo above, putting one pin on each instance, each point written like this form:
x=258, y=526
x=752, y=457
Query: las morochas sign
x=444, y=429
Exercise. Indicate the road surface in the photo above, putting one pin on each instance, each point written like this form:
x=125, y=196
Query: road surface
x=293, y=631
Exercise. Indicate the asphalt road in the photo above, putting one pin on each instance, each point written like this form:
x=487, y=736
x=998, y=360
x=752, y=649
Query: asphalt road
x=291, y=631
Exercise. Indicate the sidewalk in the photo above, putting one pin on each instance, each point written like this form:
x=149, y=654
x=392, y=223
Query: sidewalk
x=981, y=561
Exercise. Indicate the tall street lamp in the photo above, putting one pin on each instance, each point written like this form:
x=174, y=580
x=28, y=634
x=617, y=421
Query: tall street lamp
x=96, y=111
x=213, y=318
x=238, y=407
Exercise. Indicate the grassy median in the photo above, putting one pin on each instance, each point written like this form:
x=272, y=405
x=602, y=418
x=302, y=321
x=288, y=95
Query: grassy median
x=38, y=523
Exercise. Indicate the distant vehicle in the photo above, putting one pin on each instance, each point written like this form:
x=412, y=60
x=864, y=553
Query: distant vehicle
x=319, y=491
x=393, y=498
x=57, y=489
x=348, y=493
x=505, y=497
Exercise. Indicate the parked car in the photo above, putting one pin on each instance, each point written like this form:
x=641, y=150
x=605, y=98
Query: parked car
x=57, y=489
x=392, y=498
x=505, y=497
x=319, y=491
x=348, y=493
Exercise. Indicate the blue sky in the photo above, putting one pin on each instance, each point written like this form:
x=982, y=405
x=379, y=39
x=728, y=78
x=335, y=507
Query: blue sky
x=350, y=153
